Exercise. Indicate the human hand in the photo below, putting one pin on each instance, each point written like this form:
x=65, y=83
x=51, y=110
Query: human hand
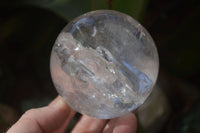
x=55, y=117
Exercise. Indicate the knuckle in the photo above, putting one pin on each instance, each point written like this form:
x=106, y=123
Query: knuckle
x=29, y=113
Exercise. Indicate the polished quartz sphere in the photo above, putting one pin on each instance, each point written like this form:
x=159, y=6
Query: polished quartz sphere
x=104, y=64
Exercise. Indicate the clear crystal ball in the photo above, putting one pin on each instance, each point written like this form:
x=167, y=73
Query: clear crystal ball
x=104, y=64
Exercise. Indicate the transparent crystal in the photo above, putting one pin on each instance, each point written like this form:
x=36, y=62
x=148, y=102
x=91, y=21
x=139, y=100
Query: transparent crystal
x=104, y=64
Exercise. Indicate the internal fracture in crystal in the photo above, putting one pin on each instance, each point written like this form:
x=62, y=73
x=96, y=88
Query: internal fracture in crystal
x=104, y=64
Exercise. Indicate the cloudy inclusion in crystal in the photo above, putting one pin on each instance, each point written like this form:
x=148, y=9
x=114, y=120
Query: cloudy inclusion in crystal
x=104, y=64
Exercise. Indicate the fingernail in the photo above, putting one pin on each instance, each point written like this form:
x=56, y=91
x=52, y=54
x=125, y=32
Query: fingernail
x=59, y=102
x=127, y=116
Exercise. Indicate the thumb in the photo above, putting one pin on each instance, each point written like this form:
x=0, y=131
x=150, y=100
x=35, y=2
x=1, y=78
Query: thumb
x=43, y=120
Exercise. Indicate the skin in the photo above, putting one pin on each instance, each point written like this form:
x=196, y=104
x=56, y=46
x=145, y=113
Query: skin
x=55, y=118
